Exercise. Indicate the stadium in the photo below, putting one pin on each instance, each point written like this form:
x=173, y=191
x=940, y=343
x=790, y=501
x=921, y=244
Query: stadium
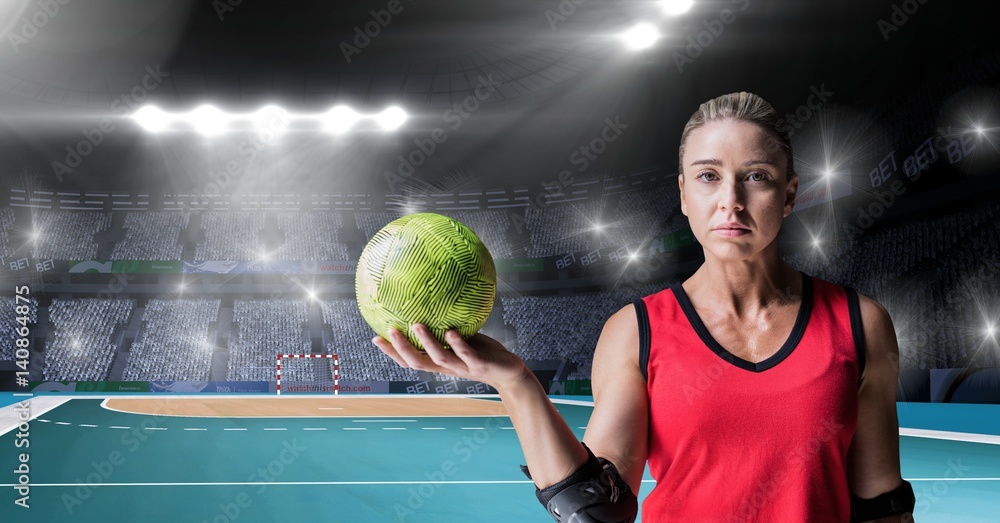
x=188, y=187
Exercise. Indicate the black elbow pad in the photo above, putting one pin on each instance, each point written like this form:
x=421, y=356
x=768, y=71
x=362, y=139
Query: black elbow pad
x=595, y=493
x=893, y=503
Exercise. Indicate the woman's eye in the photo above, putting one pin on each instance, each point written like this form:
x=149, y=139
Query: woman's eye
x=758, y=176
x=706, y=175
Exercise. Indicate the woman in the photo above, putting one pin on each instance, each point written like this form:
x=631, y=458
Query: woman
x=755, y=392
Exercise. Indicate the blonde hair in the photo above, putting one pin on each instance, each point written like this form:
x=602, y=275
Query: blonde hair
x=741, y=106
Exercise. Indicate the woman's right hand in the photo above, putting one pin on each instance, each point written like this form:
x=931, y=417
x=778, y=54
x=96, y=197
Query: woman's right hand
x=480, y=358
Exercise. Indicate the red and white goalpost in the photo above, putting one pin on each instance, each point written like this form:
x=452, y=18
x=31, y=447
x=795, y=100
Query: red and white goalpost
x=301, y=373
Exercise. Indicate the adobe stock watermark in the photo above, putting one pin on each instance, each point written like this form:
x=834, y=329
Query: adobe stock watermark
x=224, y=7
x=463, y=450
x=427, y=146
x=814, y=103
x=900, y=15
x=123, y=105
x=582, y=157
x=562, y=12
x=363, y=35
x=801, y=458
x=248, y=149
x=32, y=23
x=101, y=471
x=713, y=29
x=928, y=496
x=231, y=510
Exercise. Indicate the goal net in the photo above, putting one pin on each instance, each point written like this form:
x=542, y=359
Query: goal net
x=308, y=373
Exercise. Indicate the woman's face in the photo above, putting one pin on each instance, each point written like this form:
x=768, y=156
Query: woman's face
x=734, y=189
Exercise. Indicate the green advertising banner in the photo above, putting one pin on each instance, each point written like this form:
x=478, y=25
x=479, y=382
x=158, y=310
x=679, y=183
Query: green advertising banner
x=669, y=242
x=112, y=386
x=126, y=266
x=570, y=388
x=519, y=265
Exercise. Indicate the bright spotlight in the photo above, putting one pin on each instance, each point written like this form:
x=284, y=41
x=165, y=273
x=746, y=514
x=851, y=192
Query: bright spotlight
x=980, y=131
x=392, y=118
x=816, y=243
x=598, y=227
x=991, y=330
x=339, y=120
x=312, y=295
x=151, y=118
x=208, y=120
x=828, y=173
x=264, y=255
x=633, y=256
x=271, y=117
x=641, y=36
x=676, y=7
x=181, y=287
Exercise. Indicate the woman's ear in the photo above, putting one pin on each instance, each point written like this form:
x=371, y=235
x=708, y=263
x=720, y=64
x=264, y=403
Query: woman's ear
x=790, y=191
x=680, y=187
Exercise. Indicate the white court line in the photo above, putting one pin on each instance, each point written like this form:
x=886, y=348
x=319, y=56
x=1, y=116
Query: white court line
x=62, y=423
x=331, y=408
x=234, y=429
x=952, y=436
x=118, y=427
x=156, y=428
x=86, y=425
x=43, y=420
x=194, y=429
x=313, y=428
x=274, y=428
x=473, y=428
x=432, y=428
x=384, y=421
x=354, y=428
x=10, y=418
x=393, y=428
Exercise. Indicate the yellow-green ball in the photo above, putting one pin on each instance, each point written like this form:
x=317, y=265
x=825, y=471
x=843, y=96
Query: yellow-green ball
x=426, y=268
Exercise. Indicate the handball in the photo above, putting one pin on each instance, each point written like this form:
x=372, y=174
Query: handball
x=425, y=268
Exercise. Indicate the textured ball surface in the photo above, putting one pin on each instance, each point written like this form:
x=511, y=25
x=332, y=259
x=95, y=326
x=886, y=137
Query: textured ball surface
x=426, y=268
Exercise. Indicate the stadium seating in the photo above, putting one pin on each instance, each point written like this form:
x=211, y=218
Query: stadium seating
x=175, y=342
x=67, y=235
x=81, y=346
x=231, y=236
x=359, y=359
x=151, y=236
x=9, y=325
x=311, y=236
x=264, y=329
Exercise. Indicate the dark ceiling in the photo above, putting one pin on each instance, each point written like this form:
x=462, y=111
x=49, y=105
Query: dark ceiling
x=558, y=78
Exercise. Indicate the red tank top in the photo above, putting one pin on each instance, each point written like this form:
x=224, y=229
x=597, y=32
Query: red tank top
x=735, y=441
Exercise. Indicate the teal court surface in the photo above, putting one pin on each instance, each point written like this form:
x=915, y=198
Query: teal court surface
x=91, y=459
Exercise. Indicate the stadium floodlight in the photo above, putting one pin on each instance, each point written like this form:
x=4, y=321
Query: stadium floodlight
x=208, y=120
x=312, y=295
x=391, y=118
x=151, y=118
x=980, y=131
x=339, y=120
x=816, y=243
x=676, y=7
x=641, y=36
x=271, y=117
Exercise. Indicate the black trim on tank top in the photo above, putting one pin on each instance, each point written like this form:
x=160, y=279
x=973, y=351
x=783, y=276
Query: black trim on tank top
x=857, y=330
x=798, y=329
x=643, y=316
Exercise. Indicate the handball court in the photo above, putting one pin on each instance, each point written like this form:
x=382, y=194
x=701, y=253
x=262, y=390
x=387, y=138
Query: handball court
x=369, y=458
